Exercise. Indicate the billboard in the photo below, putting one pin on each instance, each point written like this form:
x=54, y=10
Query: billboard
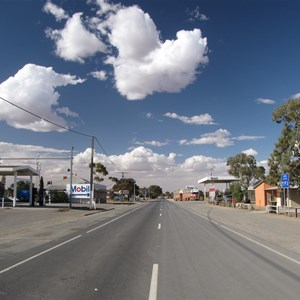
x=79, y=190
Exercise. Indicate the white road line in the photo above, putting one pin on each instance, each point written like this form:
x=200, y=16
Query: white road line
x=160, y=215
x=113, y=220
x=61, y=244
x=159, y=226
x=247, y=238
x=37, y=255
x=153, y=285
x=262, y=245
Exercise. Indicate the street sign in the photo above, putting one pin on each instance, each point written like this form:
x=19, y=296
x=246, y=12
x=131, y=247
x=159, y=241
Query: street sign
x=285, y=181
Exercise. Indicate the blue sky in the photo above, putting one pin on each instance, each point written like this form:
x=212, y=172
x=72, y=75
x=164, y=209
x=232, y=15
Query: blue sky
x=170, y=90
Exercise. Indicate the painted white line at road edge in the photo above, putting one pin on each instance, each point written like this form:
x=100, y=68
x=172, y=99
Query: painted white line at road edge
x=159, y=226
x=262, y=245
x=61, y=244
x=39, y=254
x=113, y=220
x=247, y=238
x=153, y=285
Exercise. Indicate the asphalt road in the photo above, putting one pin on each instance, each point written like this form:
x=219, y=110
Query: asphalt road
x=159, y=250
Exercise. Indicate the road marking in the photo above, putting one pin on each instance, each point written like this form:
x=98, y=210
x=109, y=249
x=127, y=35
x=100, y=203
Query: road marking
x=159, y=226
x=153, y=285
x=160, y=215
x=61, y=244
x=262, y=245
x=39, y=254
x=113, y=220
x=247, y=238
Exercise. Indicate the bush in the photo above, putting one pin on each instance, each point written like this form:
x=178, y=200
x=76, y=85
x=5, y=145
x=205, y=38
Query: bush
x=58, y=197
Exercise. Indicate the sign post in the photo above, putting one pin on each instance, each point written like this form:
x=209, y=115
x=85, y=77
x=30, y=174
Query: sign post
x=79, y=191
x=285, y=184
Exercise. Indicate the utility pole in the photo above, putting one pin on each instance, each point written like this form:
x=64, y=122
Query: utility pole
x=71, y=174
x=133, y=190
x=92, y=174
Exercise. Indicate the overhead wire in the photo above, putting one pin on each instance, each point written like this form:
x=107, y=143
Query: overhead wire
x=63, y=127
x=44, y=119
x=108, y=155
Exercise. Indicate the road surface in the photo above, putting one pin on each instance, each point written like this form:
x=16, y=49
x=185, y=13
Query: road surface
x=158, y=250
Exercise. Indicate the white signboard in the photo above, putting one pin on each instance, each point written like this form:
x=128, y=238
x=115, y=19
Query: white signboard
x=79, y=190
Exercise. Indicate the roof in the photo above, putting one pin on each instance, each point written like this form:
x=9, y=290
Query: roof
x=216, y=179
x=19, y=170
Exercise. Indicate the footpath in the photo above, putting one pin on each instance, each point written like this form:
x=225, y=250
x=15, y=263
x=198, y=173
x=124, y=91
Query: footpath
x=280, y=230
x=24, y=227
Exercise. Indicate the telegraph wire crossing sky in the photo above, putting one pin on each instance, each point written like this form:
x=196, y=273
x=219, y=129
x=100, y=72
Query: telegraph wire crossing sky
x=170, y=90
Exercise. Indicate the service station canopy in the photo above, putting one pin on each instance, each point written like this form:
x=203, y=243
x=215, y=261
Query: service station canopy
x=8, y=170
x=216, y=179
x=16, y=171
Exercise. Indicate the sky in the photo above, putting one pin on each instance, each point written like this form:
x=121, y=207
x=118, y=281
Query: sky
x=169, y=89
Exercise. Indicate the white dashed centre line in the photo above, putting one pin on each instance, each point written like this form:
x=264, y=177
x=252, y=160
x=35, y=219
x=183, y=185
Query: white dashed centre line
x=153, y=286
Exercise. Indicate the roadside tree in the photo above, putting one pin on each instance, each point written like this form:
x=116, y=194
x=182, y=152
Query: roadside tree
x=154, y=191
x=99, y=169
x=125, y=184
x=2, y=186
x=41, y=192
x=236, y=191
x=285, y=157
x=244, y=167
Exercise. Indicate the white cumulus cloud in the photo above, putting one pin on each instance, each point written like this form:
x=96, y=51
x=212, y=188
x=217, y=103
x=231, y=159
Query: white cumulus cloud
x=264, y=101
x=151, y=143
x=195, y=120
x=34, y=88
x=250, y=151
x=100, y=75
x=221, y=138
x=144, y=165
x=201, y=163
x=74, y=42
x=130, y=43
x=248, y=137
x=144, y=63
x=56, y=11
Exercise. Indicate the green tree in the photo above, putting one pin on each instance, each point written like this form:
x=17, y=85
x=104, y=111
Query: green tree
x=154, y=191
x=126, y=184
x=41, y=192
x=285, y=157
x=99, y=169
x=58, y=197
x=236, y=191
x=244, y=167
x=2, y=186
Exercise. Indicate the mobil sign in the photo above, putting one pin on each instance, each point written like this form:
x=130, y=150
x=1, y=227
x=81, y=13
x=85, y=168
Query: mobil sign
x=79, y=190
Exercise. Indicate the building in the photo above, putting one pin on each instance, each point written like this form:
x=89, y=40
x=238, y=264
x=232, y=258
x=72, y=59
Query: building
x=186, y=194
x=100, y=191
x=266, y=194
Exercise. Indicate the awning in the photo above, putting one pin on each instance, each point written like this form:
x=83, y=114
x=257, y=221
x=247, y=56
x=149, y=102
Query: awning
x=216, y=179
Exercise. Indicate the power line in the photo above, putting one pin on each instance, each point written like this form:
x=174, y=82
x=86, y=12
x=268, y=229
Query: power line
x=107, y=155
x=63, y=127
x=46, y=120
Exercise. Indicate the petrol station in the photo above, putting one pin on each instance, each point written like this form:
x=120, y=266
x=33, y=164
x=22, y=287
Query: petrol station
x=213, y=180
